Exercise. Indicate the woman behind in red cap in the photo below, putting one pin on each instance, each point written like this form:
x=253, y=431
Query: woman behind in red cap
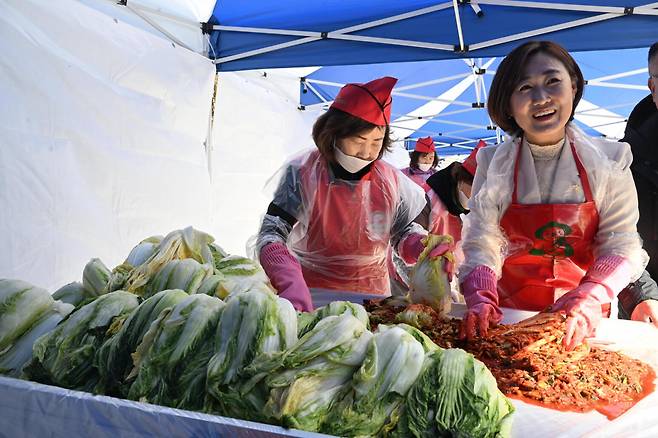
x=553, y=215
x=338, y=208
x=422, y=161
x=448, y=191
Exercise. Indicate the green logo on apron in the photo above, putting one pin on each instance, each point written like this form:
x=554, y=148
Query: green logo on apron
x=553, y=242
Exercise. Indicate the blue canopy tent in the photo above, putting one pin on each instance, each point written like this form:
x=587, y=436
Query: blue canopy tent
x=447, y=99
x=287, y=33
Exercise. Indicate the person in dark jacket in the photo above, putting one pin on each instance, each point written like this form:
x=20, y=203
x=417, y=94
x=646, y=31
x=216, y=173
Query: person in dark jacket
x=639, y=301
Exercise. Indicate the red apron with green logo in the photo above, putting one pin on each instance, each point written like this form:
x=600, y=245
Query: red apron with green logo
x=550, y=246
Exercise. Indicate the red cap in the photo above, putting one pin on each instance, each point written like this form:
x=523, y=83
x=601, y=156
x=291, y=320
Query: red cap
x=370, y=101
x=424, y=145
x=470, y=162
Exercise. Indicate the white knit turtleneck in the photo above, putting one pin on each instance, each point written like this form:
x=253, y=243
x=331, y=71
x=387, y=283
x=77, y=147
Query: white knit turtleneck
x=546, y=160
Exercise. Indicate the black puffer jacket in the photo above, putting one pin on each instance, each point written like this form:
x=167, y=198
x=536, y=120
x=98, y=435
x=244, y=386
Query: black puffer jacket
x=642, y=134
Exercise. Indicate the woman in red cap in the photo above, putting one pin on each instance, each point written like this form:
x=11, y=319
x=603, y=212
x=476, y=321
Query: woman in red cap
x=449, y=190
x=422, y=161
x=339, y=207
x=553, y=215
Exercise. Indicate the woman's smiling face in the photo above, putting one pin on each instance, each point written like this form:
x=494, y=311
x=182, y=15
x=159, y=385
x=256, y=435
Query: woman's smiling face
x=542, y=101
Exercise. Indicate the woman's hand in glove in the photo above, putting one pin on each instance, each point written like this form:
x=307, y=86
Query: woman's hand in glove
x=285, y=274
x=481, y=295
x=583, y=309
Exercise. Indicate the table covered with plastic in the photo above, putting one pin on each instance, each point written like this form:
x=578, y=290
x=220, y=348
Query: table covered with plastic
x=33, y=409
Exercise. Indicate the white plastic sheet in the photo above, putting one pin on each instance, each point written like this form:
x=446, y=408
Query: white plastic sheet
x=636, y=339
x=102, y=130
x=34, y=410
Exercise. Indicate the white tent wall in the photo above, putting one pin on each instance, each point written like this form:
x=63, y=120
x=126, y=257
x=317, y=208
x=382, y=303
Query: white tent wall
x=257, y=128
x=102, y=129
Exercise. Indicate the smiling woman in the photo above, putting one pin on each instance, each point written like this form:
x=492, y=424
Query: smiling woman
x=552, y=221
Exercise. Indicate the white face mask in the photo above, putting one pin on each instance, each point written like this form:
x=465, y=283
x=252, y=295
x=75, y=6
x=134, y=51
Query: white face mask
x=424, y=166
x=348, y=162
x=463, y=199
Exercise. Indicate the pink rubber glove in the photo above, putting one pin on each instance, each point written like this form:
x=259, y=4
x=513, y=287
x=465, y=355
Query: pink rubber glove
x=411, y=247
x=448, y=265
x=603, y=281
x=481, y=295
x=583, y=310
x=285, y=273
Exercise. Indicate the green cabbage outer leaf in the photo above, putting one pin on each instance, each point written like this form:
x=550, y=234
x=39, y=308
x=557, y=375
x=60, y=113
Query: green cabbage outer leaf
x=73, y=293
x=428, y=345
x=212, y=286
x=64, y=356
x=241, y=274
x=393, y=362
x=429, y=282
x=21, y=305
x=415, y=315
x=456, y=395
x=177, y=245
x=186, y=274
x=254, y=326
x=118, y=277
x=113, y=360
x=307, y=320
x=171, y=361
x=14, y=359
x=95, y=277
x=316, y=372
x=143, y=250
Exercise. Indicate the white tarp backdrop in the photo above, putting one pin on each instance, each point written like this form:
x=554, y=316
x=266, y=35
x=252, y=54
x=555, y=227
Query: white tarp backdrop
x=257, y=127
x=102, y=130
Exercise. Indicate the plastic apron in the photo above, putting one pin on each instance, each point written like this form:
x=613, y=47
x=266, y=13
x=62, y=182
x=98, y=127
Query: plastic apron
x=348, y=232
x=441, y=221
x=417, y=175
x=551, y=247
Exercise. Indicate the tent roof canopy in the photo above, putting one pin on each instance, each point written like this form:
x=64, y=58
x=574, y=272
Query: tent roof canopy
x=447, y=99
x=288, y=33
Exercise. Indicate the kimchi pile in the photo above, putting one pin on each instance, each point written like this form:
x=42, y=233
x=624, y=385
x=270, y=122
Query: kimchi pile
x=529, y=362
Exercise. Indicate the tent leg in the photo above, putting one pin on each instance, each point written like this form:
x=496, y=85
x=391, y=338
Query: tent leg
x=209, y=145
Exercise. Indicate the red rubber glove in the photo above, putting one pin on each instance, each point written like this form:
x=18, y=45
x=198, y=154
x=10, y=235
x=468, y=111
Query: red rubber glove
x=481, y=295
x=285, y=273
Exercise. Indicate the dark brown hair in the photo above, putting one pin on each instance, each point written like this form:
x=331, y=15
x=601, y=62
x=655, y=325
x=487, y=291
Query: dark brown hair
x=414, y=156
x=653, y=51
x=509, y=74
x=335, y=125
x=460, y=174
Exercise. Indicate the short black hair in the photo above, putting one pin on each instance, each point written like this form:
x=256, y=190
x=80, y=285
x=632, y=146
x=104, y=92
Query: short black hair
x=509, y=73
x=653, y=51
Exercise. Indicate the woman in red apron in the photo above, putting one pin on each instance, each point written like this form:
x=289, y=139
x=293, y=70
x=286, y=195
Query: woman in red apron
x=552, y=220
x=422, y=161
x=339, y=207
